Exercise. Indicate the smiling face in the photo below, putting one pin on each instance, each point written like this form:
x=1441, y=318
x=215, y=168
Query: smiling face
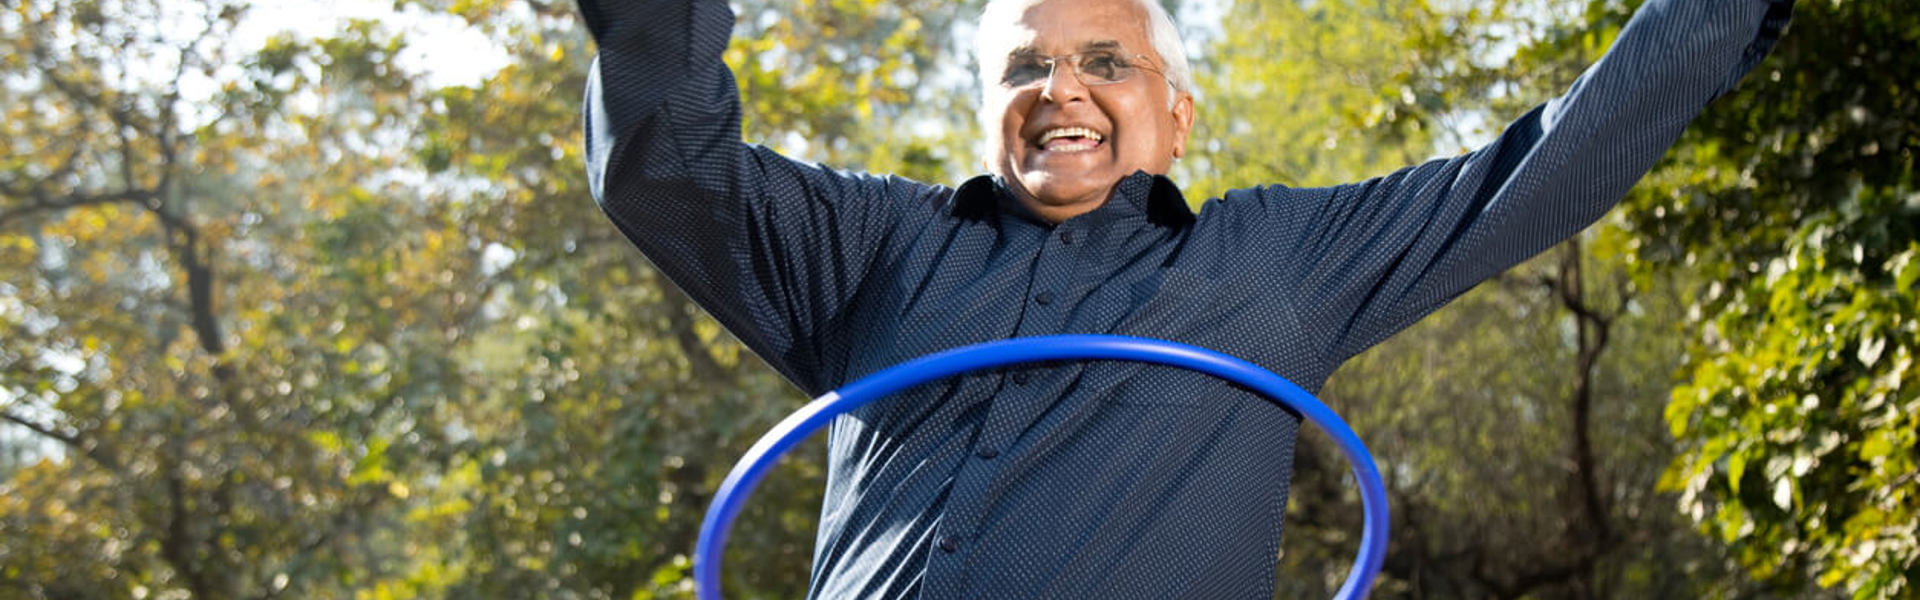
x=1063, y=145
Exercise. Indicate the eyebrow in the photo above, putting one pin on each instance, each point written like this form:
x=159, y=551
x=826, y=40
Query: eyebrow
x=1106, y=45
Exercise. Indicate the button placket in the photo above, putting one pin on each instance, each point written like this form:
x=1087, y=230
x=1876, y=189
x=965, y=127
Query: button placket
x=966, y=506
x=1044, y=316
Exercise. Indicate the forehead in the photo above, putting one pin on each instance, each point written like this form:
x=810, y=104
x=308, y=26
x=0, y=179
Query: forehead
x=1066, y=26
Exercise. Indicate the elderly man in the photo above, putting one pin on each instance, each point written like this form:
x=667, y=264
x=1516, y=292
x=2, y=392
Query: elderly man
x=1103, y=480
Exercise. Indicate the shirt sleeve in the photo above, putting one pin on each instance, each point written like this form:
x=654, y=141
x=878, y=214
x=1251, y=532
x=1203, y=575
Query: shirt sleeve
x=1367, y=260
x=773, y=248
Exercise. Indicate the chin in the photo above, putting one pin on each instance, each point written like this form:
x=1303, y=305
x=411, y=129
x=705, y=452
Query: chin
x=1061, y=200
x=1064, y=191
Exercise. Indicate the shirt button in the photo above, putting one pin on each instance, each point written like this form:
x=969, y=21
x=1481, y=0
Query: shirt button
x=1066, y=237
x=986, y=452
x=1044, y=298
x=948, y=543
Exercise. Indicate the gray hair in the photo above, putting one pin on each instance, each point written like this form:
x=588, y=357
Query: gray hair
x=1161, y=32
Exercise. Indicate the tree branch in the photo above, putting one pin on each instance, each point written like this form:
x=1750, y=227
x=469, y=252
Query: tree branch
x=680, y=322
x=42, y=204
x=1590, y=535
x=91, y=451
x=1593, y=332
x=177, y=545
x=70, y=440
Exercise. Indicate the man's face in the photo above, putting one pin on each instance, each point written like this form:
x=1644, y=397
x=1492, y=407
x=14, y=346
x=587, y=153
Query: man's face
x=1110, y=131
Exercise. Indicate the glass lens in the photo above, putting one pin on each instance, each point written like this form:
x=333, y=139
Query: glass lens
x=1023, y=71
x=1103, y=67
x=1094, y=68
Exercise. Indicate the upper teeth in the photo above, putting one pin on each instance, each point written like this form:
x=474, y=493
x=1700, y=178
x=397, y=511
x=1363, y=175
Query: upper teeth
x=1070, y=132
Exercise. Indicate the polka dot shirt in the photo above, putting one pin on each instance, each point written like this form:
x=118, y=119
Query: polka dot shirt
x=1092, y=480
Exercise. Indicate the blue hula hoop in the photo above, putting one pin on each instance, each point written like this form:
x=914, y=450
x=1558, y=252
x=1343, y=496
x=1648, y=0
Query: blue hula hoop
x=767, y=451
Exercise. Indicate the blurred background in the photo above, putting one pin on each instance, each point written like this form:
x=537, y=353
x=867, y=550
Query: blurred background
x=310, y=301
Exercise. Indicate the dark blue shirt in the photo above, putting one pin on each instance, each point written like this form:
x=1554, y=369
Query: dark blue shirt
x=1102, y=480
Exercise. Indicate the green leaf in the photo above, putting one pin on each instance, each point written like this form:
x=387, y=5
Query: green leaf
x=1736, y=469
x=1876, y=447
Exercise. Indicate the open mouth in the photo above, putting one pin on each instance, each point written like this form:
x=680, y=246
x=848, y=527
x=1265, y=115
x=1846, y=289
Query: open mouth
x=1070, y=139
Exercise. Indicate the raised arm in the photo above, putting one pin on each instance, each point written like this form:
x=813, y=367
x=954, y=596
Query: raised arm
x=1371, y=258
x=775, y=249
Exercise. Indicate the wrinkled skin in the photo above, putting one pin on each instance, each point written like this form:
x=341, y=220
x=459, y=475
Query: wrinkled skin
x=1141, y=129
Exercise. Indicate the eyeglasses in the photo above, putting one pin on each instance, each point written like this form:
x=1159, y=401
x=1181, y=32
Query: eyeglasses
x=1099, y=67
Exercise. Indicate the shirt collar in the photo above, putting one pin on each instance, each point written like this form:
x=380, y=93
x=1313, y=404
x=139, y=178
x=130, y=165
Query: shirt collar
x=1154, y=197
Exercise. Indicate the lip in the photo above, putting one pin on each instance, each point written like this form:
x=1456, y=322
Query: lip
x=1080, y=132
x=1089, y=139
x=1064, y=148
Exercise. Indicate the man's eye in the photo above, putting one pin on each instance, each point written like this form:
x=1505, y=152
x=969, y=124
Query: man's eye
x=1024, y=72
x=1104, y=66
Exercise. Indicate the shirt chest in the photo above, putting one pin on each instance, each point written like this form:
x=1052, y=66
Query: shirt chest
x=1060, y=450
x=974, y=282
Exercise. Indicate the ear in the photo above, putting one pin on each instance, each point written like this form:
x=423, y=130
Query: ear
x=1182, y=123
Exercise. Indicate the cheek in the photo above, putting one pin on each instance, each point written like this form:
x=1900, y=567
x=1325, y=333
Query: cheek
x=1001, y=122
x=1144, y=119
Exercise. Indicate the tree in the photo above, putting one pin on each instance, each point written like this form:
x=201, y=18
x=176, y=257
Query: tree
x=619, y=406
x=222, y=403
x=287, y=321
x=305, y=326
x=1788, y=207
x=1795, y=198
x=1519, y=427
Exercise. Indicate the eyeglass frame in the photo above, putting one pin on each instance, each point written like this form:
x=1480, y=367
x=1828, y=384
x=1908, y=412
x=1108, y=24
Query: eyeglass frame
x=1052, y=62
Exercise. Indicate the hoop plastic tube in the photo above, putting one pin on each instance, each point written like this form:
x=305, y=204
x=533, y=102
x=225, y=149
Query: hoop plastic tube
x=767, y=451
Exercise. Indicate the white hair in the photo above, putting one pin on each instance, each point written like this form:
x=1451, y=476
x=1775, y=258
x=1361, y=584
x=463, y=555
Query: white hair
x=1161, y=33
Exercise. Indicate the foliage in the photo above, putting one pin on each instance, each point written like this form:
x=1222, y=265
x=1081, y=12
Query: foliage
x=1268, y=112
x=225, y=406
x=1791, y=206
x=1796, y=198
x=1530, y=394
x=323, y=331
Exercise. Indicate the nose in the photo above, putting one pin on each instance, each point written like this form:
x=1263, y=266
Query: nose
x=1063, y=84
